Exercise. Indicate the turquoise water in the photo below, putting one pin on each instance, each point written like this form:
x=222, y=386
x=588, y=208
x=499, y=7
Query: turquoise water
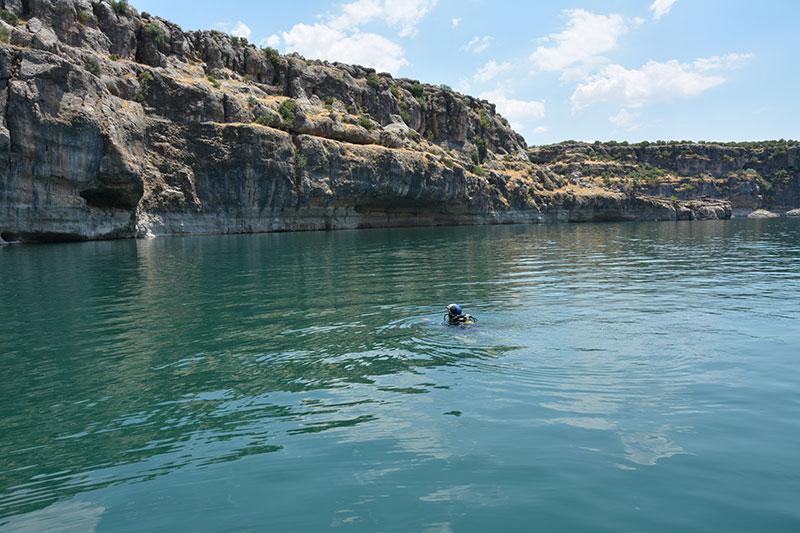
x=623, y=377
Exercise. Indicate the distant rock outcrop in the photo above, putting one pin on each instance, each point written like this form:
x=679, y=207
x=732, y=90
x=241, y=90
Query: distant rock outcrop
x=750, y=175
x=762, y=213
x=117, y=124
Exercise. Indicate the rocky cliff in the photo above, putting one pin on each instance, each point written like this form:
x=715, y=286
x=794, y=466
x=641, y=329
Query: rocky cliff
x=754, y=175
x=120, y=124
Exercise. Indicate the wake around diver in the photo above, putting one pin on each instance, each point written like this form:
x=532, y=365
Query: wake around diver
x=456, y=316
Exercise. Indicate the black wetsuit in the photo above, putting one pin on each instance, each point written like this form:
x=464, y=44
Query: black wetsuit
x=460, y=320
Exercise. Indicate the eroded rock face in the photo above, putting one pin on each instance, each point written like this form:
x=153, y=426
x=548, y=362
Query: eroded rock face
x=119, y=124
x=71, y=165
x=750, y=175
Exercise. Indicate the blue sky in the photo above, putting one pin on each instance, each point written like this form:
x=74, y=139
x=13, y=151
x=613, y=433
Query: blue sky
x=619, y=69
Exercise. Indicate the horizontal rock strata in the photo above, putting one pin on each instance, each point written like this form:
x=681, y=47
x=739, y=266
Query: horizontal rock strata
x=119, y=124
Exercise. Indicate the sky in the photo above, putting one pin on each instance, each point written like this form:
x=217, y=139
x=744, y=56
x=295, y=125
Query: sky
x=723, y=70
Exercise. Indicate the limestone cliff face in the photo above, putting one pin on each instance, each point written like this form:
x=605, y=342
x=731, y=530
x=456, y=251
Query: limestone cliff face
x=750, y=175
x=117, y=124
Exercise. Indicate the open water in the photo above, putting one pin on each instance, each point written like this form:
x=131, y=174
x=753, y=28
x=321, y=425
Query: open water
x=623, y=377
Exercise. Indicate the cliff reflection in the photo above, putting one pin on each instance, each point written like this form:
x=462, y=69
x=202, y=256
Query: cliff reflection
x=126, y=361
x=152, y=347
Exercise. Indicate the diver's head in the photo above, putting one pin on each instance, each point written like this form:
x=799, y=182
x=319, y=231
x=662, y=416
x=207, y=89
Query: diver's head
x=454, y=309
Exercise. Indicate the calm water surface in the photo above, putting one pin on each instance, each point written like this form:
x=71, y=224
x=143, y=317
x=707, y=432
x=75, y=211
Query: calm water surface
x=624, y=377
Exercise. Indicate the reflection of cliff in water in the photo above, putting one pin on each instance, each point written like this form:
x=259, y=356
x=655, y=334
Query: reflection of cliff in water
x=142, y=357
x=161, y=343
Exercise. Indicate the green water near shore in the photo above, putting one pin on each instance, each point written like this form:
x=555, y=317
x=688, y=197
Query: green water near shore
x=624, y=377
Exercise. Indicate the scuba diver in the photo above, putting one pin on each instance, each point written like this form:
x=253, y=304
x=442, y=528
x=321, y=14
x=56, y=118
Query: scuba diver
x=456, y=317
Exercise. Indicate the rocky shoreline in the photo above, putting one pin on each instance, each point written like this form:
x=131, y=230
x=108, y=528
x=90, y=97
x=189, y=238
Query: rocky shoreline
x=118, y=124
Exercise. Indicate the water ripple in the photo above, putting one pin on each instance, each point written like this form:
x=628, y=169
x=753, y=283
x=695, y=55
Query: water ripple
x=201, y=371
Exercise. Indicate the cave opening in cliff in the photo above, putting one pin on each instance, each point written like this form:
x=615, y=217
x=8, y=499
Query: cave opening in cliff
x=105, y=199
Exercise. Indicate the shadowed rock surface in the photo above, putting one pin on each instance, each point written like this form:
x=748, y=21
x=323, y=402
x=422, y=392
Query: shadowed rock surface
x=117, y=124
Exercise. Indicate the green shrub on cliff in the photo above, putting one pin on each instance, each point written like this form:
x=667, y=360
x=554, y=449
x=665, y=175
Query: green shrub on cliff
x=373, y=80
x=405, y=114
x=288, y=112
x=5, y=35
x=479, y=156
x=84, y=16
x=8, y=17
x=155, y=32
x=265, y=120
x=485, y=122
x=120, y=7
x=92, y=65
x=647, y=174
x=418, y=92
x=365, y=122
x=146, y=77
x=214, y=81
x=271, y=54
x=300, y=163
x=782, y=176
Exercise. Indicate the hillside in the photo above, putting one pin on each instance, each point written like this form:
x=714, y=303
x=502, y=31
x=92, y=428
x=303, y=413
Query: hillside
x=119, y=124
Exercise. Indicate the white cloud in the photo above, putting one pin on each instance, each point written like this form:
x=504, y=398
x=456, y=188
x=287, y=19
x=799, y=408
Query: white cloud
x=324, y=42
x=355, y=14
x=476, y=45
x=273, y=41
x=339, y=37
x=456, y=22
x=407, y=14
x=583, y=41
x=728, y=61
x=518, y=112
x=541, y=129
x=491, y=70
x=625, y=119
x=661, y=7
x=653, y=82
x=463, y=86
x=403, y=15
x=241, y=30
